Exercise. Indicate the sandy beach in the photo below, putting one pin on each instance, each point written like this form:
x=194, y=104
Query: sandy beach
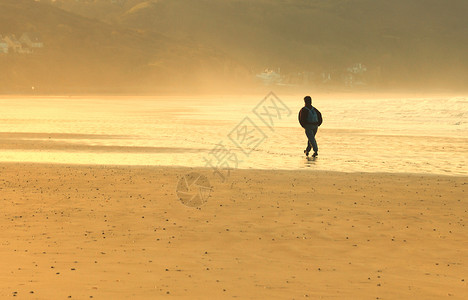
x=233, y=149
x=152, y=131
x=103, y=232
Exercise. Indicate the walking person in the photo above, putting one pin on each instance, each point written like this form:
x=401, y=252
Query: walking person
x=310, y=119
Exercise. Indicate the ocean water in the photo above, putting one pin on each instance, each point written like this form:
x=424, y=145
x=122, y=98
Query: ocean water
x=410, y=135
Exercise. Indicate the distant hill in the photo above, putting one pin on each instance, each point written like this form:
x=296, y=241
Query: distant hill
x=176, y=44
x=84, y=55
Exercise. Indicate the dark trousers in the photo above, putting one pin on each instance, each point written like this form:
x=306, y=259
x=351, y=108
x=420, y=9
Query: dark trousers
x=311, y=131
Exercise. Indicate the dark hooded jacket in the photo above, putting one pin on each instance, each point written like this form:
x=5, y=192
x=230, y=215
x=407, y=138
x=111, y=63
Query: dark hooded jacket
x=303, y=114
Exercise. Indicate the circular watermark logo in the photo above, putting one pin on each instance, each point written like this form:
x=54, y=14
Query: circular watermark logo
x=193, y=189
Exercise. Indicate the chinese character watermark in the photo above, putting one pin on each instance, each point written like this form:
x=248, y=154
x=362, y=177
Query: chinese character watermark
x=270, y=109
x=246, y=136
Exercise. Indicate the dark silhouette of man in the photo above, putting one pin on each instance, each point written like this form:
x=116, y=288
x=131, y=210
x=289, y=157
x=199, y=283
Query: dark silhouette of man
x=310, y=119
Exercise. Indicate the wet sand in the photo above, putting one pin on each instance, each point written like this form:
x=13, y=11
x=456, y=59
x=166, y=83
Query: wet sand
x=359, y=133
x=70, y=143
x=103, y=232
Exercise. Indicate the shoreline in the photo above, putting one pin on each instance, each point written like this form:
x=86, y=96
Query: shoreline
x=207, y=170
x=140, y=133
x=259, y=93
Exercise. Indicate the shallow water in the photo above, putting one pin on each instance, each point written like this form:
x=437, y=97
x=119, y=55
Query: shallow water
x=416, y=135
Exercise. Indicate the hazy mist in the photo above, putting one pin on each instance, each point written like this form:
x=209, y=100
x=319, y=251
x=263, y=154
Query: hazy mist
x=179, y=46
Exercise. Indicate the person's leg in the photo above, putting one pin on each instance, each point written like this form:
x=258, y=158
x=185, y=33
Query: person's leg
x=314, y=143
x=310, y=132
x=309, y=146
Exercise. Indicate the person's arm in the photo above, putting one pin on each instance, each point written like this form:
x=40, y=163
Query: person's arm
x=319, y=117
x=303, y=117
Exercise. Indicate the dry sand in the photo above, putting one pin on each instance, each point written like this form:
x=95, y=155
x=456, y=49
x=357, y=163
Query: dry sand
x=106, y=232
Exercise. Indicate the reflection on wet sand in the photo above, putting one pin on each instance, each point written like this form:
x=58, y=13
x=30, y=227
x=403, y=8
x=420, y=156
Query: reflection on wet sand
x=357, y=135
x=81, y=145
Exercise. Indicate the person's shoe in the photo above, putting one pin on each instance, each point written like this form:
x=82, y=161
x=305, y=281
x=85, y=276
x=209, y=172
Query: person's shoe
x=306, y=152
x=315, y=154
